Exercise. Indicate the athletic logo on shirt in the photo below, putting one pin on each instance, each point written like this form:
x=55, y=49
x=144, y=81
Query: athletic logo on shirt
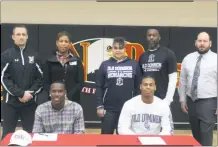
x=119, y=82
x=151, y=58
x=31, y=59
x=147, y=127
x=151, y=67
x=119, y=72
x=147, y=124
x=146, y=118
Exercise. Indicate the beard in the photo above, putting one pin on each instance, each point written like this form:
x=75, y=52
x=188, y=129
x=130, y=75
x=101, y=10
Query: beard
x=153, y=44
x=203, y=51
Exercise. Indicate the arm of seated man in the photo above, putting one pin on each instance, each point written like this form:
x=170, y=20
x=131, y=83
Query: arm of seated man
x=167, y=122
x=124, y=123
x=38, y=124
x=79, y=126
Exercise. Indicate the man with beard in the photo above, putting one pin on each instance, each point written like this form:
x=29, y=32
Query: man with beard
x=160, y=63
x=59, y=115
x=198, y=89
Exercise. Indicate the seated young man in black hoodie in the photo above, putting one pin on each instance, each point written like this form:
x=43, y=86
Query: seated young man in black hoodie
x=117, y=81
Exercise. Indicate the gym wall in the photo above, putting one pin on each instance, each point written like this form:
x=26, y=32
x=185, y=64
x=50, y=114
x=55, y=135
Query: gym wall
x=203, y=14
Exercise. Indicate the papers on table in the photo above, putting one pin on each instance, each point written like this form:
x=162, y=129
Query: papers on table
x=45, y=137
x=151, y=141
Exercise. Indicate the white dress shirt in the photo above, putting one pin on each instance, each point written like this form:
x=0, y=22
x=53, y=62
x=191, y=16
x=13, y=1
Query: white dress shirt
x=207, y=81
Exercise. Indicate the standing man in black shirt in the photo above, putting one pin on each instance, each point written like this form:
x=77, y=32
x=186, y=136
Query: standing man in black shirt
x=21, y=77
x=160, y=63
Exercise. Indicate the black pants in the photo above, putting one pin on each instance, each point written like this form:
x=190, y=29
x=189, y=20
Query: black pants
x=202, y=119
x=11, y=115
x=109, y=122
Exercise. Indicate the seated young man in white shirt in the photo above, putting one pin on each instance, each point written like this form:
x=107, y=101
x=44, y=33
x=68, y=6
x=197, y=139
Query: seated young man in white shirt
x=146, y=113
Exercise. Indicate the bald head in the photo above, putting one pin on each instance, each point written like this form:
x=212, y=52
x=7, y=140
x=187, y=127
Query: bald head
x=153, y=31
x=203, y=42
x=203, y=35
x=153, y=38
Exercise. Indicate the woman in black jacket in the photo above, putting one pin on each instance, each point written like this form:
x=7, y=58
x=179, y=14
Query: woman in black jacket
x=65, y=66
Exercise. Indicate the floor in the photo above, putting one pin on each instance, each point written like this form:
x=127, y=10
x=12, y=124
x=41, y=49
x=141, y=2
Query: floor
x=177, y=132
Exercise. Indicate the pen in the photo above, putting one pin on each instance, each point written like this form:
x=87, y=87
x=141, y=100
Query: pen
x=43, y=134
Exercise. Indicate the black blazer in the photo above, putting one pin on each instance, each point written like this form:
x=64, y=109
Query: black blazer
x=72, y=74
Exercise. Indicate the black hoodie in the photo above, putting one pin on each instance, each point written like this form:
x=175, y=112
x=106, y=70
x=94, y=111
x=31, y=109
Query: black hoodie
x=116, y=83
